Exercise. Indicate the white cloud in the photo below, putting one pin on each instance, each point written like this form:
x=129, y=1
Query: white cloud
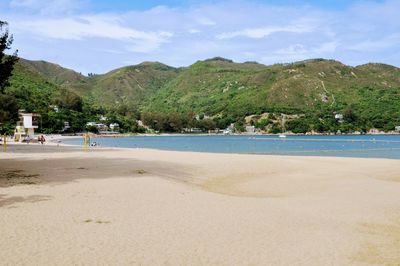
x=23, y=3
x=86, y=27
x=48, y=6
x=206, y=21
x=368, y=45
x=81, y=28
x=258, y=33
x=300, y=52
x=240, y=30
x=293, y=49
x=326, y=48
x=194, y=31
x=149, y=45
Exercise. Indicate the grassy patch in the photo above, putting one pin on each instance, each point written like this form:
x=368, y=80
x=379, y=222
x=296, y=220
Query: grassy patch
x=98, y=221
x=28, y=183
x=18, y=177
x=102, y=222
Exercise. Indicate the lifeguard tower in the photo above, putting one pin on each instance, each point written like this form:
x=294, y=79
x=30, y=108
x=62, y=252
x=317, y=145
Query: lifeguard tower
x=26, y=126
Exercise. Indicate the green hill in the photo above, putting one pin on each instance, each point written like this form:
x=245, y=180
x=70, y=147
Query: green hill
x=129, y=86
x=212, y=87
x=367, y=95
x=215, y=86
x=312, y=91
x=124, y=86
x=53, y=72
x=34, y=91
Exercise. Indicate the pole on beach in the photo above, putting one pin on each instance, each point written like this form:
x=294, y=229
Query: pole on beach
x=86, y=141
x=5, y=142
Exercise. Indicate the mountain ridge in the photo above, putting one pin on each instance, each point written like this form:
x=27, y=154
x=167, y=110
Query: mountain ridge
x=221, y=59
x=220, y=88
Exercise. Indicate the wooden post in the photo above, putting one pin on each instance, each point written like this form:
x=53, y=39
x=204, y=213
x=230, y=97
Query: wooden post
x=5, y=142
x=86, y=141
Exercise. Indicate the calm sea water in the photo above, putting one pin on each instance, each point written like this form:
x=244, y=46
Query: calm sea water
x=373, y=146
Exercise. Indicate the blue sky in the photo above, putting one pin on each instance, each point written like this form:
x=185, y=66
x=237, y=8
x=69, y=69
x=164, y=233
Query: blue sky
x=121, y=5
x=97, y=36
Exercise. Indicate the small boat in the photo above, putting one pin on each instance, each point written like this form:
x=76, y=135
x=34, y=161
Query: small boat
x=282, y=135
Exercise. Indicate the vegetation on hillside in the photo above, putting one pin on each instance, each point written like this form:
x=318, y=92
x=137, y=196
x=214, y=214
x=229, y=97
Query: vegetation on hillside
x=367, y=96
x=308, y=94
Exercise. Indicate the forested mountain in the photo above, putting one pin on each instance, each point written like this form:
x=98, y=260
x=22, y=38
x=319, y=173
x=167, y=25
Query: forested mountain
x=309, y=93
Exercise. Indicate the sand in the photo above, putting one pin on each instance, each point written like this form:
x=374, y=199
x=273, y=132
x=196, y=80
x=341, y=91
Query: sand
x=67, y=206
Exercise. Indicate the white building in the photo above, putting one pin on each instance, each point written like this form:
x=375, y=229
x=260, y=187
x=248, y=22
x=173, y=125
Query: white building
x=140, y=123
x=66, y=126
x=26, y=126
x=339, y=117
x=99, y=126
x=202, y=117
x=114, y=126
x=229, y=130
x=397, y=128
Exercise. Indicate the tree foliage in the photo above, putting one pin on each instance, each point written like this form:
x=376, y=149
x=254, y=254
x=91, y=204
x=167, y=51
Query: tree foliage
x=6, y=61
x=8, y=105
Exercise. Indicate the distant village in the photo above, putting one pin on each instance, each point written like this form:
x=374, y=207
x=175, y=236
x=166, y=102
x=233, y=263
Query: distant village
x=29, y=122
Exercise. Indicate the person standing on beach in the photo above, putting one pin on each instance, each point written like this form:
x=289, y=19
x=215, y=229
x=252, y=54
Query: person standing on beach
x=42, y=139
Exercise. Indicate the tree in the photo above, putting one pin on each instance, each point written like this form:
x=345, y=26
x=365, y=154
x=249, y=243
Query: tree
x=349, y=115
x=300, y=125
x=6, y=61
x=69, y=100
x=8, y=107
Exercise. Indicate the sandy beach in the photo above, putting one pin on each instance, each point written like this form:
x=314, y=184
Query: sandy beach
x=67, y=206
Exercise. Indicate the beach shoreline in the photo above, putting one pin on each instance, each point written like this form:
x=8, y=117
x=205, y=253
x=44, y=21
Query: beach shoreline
x=66, y=205
x=80, y=135
x=344, y=146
